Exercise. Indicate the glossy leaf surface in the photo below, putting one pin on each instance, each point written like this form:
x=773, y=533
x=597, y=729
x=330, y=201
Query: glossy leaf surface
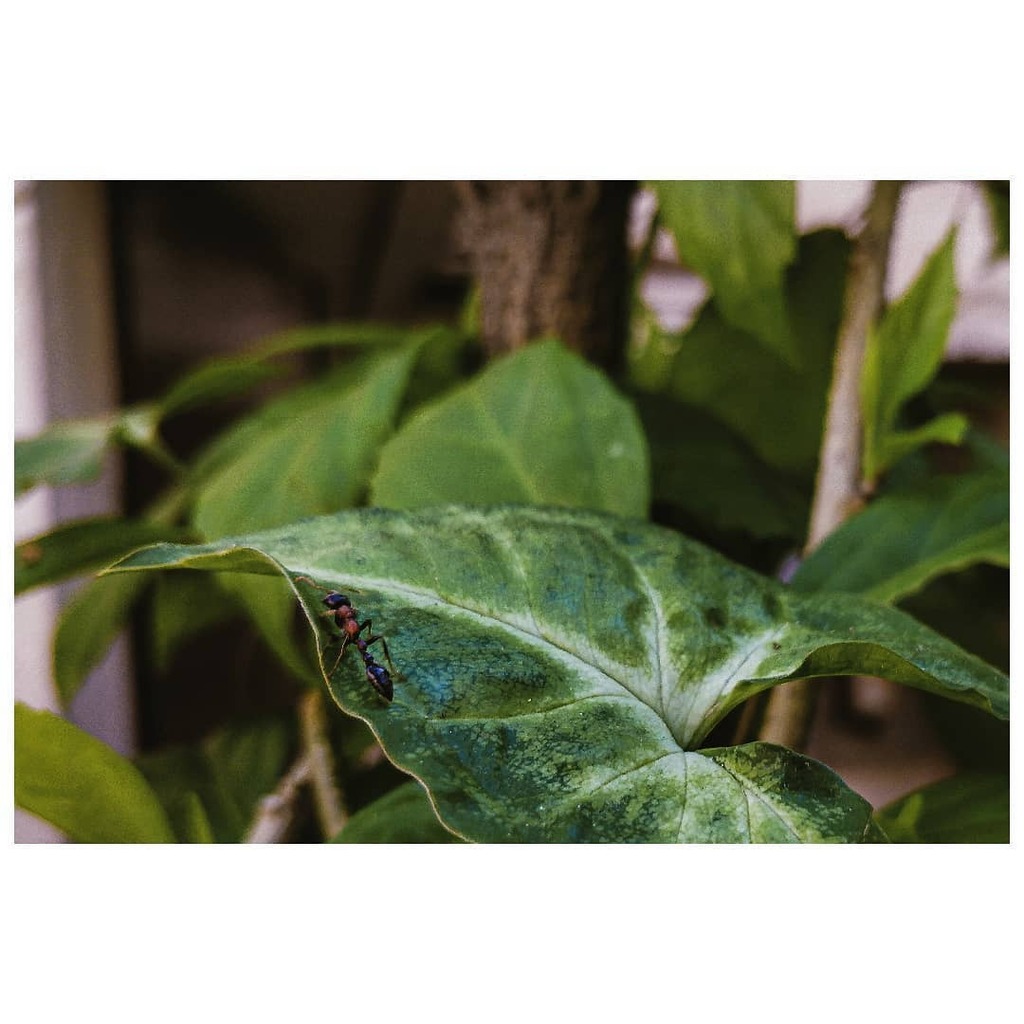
x=902, y=356
x=83, y=787
x=402, y=816
x=905, y=539
x=539, y=426
x=739, y=236
x=968, y=808
x=556, y=669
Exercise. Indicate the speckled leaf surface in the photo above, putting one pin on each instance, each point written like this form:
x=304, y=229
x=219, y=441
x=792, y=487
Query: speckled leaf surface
x=556, y=670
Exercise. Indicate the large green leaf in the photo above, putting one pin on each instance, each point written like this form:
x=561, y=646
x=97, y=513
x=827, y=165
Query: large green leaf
x=740, y=236
x=308, y=452
x=540, y=426
x=905, y=539
x=776, y=409
x=72, y=780
x=902, y=356
x=82, y=546
x=555, y=669
x=968, y=808
x=88, y=624
x=402, y=816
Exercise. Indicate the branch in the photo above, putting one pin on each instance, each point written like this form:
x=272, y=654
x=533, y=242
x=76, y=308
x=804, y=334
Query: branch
x=838, y=492
x=275, y=811
x=330, y=806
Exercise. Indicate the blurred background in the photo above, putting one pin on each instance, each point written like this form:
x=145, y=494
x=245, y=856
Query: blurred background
x=121, y=287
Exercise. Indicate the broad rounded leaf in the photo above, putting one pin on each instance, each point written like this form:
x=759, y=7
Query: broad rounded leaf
x=905, y=539
x=555, y=670
x=308, y=452
x=540, y=426
x=72, y=780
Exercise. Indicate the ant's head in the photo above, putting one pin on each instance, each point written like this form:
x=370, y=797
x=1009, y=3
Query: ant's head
x=335, y=600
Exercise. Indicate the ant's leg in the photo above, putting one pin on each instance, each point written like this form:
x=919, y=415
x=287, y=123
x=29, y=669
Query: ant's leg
x=344, y=645
x=368, y=624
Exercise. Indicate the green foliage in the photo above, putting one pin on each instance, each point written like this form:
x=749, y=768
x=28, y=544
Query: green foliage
x=88, y=624
x=700, y=468
x=902, y=357
x=968, y=808
x=908, y=537
x=66, y=453
x=997, y=194
x=210, y=790
x=558, y=671
x=72, y=780
x=539, y=426
x=308, y=452
x=774, y=407
x=81, y=547
x=739, y=236
x=580, y=659
x=402, y=816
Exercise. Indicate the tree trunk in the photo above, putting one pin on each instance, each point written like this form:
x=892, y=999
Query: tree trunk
x=550, y=259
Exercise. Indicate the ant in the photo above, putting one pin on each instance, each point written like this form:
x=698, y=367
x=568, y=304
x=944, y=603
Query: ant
x=346, y=618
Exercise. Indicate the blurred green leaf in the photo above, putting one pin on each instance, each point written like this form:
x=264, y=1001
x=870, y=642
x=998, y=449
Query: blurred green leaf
x=739, y=236
x=555, y=669
x=83, y=787
x=69, y=452
x=904, y=539
x=308, y=452
x=214, y=380
x=88, y=624
x=195, y=825
x=226, y=775
x=777, y=410
x=902, y=357
x=968, y=808
x=184, y=605
x=402, y=816
x=81, y=547
x=698, y=465
x=997, y=194
x=539, y=426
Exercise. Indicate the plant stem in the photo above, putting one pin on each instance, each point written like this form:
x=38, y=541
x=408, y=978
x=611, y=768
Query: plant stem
x=838, y=493
x=330, y=806
x=275, y=811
